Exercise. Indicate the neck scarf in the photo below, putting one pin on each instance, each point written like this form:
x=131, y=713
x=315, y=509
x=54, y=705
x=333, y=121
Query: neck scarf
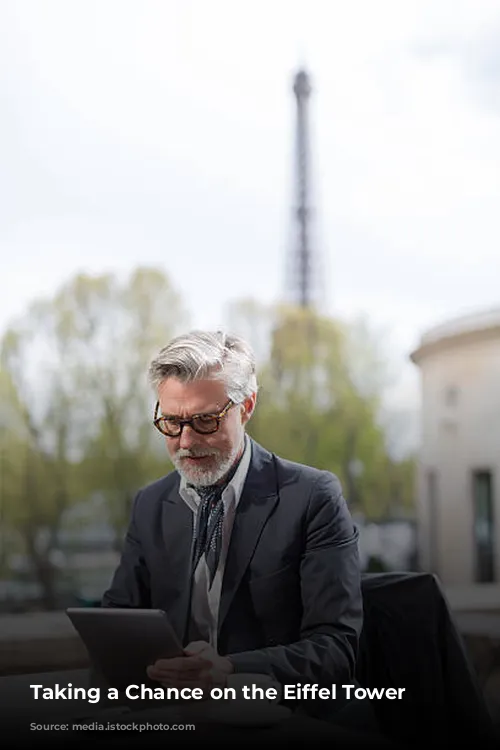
x=209, y=524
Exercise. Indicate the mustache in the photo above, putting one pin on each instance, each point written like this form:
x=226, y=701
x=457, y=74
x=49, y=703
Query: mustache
x=196, y=453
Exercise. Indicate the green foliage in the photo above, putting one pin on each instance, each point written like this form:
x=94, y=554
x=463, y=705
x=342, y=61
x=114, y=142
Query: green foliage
x=320, y=402
x=77, y=404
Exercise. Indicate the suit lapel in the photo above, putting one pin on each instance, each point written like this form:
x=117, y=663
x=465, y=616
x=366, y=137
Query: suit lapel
x=177, y=531
x=258, y=499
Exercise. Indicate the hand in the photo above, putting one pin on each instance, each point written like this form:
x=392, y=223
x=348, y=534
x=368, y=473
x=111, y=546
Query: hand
x=200, y=667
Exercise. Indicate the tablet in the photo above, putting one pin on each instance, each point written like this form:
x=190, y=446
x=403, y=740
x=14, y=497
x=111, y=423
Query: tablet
x=122, y=643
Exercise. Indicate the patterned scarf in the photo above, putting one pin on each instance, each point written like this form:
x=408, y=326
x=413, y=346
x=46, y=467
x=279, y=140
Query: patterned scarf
x=209, y=525
x=208, y=533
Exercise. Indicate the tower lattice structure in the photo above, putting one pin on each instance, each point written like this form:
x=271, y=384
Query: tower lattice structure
x=303, y=284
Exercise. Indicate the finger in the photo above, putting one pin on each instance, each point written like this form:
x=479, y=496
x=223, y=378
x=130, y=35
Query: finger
x=196, y=647
x=155, y=674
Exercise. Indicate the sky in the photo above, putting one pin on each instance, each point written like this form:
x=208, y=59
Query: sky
x=161, y=132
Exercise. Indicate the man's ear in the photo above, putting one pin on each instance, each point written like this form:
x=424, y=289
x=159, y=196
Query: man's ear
x=248, y=407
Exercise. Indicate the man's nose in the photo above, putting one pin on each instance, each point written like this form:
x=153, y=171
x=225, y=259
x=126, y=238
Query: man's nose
x=187, y=438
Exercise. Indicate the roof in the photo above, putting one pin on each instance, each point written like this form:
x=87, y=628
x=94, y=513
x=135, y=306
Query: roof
x=463, y=329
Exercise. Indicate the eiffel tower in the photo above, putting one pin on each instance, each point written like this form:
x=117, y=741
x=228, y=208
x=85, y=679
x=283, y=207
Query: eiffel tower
x=304, y=283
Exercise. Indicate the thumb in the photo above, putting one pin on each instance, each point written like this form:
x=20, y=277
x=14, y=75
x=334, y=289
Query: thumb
x=197, y=647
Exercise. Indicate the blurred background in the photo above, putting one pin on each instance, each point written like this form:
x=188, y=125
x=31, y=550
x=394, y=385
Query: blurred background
x=322, y=178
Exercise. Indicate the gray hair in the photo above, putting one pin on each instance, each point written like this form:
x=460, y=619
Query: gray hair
x=212, y=355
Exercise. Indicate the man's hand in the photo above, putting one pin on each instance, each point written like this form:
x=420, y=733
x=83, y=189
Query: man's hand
x=201, y=667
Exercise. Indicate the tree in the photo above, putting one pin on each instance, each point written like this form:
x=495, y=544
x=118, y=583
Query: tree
x=125, y=451
x=319, y=402
x=76, y=397
x=36, y=487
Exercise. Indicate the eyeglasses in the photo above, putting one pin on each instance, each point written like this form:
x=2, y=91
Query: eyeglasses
x=203, y=424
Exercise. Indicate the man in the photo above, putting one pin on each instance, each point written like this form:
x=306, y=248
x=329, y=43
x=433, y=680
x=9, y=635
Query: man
x=254, y=558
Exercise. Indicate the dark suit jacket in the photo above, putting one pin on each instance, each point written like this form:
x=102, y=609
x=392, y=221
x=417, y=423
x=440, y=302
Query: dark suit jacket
x=291, y=603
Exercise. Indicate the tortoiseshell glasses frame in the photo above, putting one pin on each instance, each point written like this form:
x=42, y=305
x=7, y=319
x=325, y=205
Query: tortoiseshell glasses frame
x=203, y=424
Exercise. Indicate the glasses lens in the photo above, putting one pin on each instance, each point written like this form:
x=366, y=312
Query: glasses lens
x=205, y=425
x=168, y=427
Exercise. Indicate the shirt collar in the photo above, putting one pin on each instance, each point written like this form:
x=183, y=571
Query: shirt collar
x=235, y=486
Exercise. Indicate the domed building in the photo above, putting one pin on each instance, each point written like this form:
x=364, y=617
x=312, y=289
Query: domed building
x=458, y=492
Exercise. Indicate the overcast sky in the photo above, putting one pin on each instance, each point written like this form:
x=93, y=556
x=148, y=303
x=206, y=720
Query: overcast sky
x=161, y=132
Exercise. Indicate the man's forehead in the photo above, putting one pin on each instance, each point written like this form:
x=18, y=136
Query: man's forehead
x=176, y=397
x=185, y=408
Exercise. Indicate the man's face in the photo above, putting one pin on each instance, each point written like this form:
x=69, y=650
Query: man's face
x=203, y=459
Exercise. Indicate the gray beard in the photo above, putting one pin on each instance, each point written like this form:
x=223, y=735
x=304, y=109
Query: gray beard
x=205, y=477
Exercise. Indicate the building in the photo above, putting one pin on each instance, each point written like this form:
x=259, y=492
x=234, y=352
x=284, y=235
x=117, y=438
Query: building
x=458, y=493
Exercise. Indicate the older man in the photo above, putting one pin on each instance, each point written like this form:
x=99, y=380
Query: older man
x=253, y=557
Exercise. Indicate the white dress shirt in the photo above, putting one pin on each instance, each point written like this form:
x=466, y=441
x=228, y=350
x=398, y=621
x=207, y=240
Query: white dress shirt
x=204, y=601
